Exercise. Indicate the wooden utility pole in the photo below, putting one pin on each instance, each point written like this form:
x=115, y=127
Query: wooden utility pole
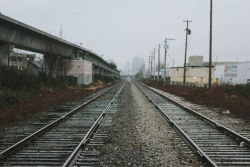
x=149, y=59
x=188, y=32
x=210, y=46
x=159, y=63
x=151, y=69
x=154, y=62
x=165, y=68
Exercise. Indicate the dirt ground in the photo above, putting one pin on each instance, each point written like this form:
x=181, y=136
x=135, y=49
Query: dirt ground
x=14, y=114
x=216, y=97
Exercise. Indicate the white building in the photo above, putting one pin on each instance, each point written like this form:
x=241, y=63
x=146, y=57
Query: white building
x=162, y=72
x=195, y=76
x=197, y=73
x=232, y=74
x=81, y=69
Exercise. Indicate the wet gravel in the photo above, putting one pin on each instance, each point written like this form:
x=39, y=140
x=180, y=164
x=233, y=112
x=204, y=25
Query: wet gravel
x=141, y=137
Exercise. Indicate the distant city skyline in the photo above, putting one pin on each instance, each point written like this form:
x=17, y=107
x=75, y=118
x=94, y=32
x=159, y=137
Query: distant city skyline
x=137, y=63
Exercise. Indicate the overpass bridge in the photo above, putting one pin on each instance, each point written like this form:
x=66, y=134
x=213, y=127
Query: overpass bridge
x=14, y=34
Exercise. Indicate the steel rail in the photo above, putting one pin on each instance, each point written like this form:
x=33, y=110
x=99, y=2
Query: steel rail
x=180, y=131
x=43, y=130
x=208, y=120
x=93, y=128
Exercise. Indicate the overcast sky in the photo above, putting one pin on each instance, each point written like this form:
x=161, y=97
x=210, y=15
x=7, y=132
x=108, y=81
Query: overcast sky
x=122, y=29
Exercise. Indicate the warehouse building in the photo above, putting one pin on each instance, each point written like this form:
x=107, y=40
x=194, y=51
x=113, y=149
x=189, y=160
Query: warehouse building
x=197, y=72
x=232, y=73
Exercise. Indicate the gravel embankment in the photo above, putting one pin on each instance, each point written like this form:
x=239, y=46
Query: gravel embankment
x=141, y=137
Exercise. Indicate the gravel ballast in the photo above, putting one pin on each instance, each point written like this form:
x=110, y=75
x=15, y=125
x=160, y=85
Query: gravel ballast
x=140, y=136
x=222, y=117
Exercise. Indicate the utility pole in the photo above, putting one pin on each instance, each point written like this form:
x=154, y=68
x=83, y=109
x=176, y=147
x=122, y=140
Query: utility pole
x=188, y=32
x=159, y=65
x=151, y=69
x=210, y=45
x=151, y=62
x=149, y=66
x=154, y=62
x=166, y=47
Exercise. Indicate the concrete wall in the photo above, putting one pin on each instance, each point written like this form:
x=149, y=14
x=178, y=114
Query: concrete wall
x=82, y=70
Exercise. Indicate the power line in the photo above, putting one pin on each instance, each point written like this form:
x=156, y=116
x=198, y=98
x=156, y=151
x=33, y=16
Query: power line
x=173, y=60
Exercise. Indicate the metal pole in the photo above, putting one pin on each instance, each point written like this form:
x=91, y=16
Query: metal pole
x=164, y=80
x=159, y=63
x=184, y=76
x=210, y=46
x=154, y=63
x=149, y=66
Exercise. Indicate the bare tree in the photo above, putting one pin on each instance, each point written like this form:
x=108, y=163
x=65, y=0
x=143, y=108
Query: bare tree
x=57, y=65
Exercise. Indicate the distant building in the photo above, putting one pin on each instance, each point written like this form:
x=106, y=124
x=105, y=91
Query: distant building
x=197, y=72
x=232, y=73
x=23, y=61
x=81, y=69
x=127, y=69
x=195, y=61
x=195, y=76
x=137, y=64
x=162, y=72
x=19, y=60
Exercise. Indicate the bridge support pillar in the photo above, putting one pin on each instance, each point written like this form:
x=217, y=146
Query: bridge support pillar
x=5, y=53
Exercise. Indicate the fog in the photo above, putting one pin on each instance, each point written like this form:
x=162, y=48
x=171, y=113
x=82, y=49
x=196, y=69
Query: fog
x=120, y=30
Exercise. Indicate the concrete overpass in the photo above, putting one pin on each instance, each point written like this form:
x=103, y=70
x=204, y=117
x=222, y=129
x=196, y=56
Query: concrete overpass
x=14, y=34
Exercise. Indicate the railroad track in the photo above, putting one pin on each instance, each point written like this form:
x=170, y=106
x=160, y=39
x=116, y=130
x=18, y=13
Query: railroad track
x=12, y=135
x=213, y=142
x=89, y=153
x=59, y=142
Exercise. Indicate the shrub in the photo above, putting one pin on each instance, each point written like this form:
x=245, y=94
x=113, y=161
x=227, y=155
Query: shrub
x=239, y=89
x=9, y=96
x=16, y=85
x=103, y=78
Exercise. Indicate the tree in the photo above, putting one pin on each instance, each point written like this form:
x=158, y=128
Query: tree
x=57, y=65
x=140, y=74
